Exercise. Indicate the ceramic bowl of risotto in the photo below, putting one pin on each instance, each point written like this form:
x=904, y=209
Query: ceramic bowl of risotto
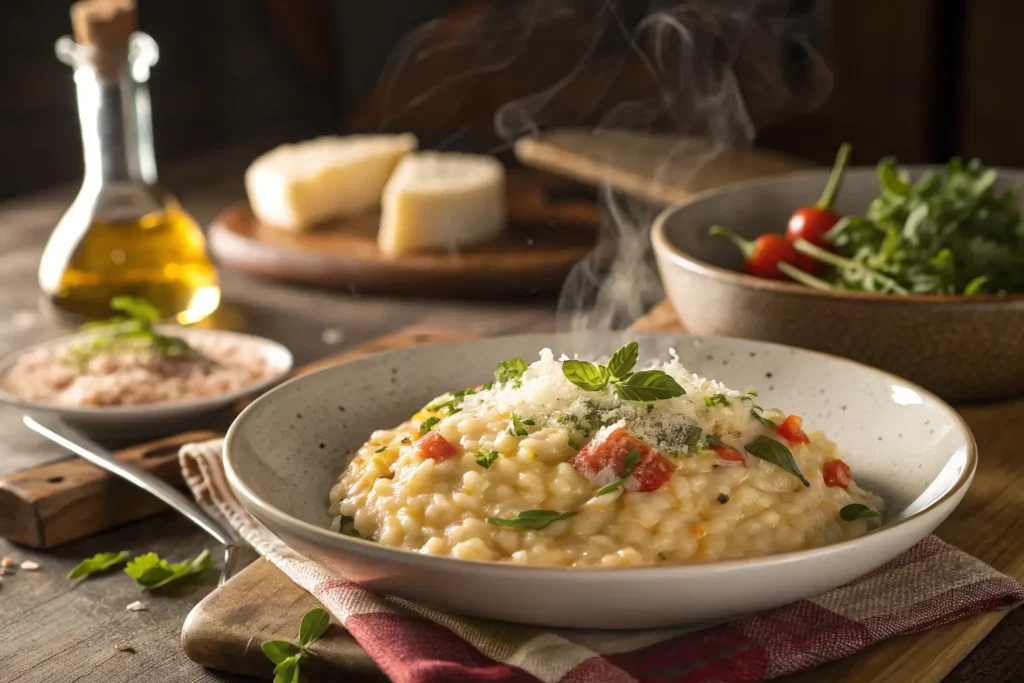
x=132, y=391
x=601, y=480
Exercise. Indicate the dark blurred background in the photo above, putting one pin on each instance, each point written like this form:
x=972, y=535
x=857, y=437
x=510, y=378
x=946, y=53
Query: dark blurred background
x=920, y=79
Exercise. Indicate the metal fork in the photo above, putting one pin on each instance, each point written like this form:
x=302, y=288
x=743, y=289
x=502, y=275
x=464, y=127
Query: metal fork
x=237, y=552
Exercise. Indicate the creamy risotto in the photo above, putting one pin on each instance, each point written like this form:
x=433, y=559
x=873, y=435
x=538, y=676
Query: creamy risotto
x=565, y=462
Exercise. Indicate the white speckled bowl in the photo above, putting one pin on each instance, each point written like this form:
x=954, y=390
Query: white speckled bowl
x=285, y=451
x=123, y=422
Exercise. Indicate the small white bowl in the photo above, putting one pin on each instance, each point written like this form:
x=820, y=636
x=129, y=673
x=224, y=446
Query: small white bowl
x=286, y=450
x=152, y=418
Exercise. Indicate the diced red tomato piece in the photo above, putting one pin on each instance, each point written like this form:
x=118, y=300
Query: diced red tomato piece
x=435, y=447
x=730, y=454
x=791, y=430
x=604, y=459
x=836, y=473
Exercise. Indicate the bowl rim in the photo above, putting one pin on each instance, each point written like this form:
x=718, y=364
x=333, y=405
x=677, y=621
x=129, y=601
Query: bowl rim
x=148, y=410
x=674, y=253
x=324, y=537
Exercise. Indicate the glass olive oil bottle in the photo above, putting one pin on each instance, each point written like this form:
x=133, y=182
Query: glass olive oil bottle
x=123, y=234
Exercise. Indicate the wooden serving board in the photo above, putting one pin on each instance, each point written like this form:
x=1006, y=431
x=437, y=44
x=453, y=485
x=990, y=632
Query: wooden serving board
x=552, y=224
x=220, y=631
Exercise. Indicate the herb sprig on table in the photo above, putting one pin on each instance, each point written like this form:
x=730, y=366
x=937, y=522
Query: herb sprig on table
x=98, y=563
x=152, y=572
x=287, y=656
x=133, y=329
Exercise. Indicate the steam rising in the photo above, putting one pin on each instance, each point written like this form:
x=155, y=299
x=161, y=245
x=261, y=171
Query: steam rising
x=706, y=72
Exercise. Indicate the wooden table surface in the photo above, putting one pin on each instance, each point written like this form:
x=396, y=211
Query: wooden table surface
x=55, y=632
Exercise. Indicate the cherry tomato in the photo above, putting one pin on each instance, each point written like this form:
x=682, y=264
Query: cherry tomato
x=730, y=454
x=791, y=430
x=812, y=223
x=764, y=254
x=610, y=450
x=435, y=447
x=836, y=473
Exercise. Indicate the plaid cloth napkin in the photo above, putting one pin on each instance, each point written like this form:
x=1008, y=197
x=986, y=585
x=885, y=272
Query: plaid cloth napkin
x=931, y=584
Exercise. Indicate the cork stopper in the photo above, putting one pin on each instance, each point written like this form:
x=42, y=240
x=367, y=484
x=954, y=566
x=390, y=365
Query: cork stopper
x=105, y=25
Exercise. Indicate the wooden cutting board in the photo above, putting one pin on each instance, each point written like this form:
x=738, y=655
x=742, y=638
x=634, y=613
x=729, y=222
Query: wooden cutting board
x=221, y=630
x=552, y=224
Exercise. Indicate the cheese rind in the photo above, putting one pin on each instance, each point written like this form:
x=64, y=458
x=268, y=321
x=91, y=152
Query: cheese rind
x=442, y=201
x=295, y=186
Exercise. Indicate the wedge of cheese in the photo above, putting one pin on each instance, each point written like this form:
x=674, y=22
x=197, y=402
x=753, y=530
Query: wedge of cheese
x=442, y=201
x=296, y=186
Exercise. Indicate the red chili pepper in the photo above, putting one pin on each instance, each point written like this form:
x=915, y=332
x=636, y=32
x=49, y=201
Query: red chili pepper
x=791, y=430
x=836, y=473
x=764, y=254
x=812, y=223
x=730, y=454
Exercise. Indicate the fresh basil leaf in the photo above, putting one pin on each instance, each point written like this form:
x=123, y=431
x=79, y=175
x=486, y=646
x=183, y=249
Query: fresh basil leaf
x=531, y=519
x=694, y=439
x=511, y=370
x=279, y=650
x=623, y=360
x=762, y=419
x=573, y=444
x=648, y=385
x=713, y=440
x=314, y=623
x=777, y=454
x=586, y=376
x=153, y=573
x=98, y=563
x=428, y=424
x=486, y=458
x=717, y=400
x=853, y=511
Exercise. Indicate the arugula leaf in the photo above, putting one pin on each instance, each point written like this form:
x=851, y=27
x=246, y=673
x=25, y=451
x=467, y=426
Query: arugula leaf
x=531, y=519
x=314, y=623
x=631, y=462
x=511, y=370
x=428, y=424
x=648, y=385
x=777, y=454
x=98, y=563
x=853, y=511
x=152, y=572
x=717, y=400
x=623, y=360
x=586, y=376
x=486, y=458
x=762, y=419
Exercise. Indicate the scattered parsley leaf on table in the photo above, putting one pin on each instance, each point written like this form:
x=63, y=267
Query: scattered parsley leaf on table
x=152, y=572
x=288, y=656
x=98, y=563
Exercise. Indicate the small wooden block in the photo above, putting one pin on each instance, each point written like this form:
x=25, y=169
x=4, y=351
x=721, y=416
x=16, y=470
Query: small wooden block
x=46, y=506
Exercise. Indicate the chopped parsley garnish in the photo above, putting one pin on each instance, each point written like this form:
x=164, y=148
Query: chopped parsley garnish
x=134, y=329
x=428, y=424
x=646, y=385
x=519, y=426
x=857, y=511
x=532, y=519
x=573, y=444
x=511, y=370
x=717, y=400
x=761, y=418
x=631, y=462
x=777, y=454
x=381, y=449
x=486, y=458
x=723, y=498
